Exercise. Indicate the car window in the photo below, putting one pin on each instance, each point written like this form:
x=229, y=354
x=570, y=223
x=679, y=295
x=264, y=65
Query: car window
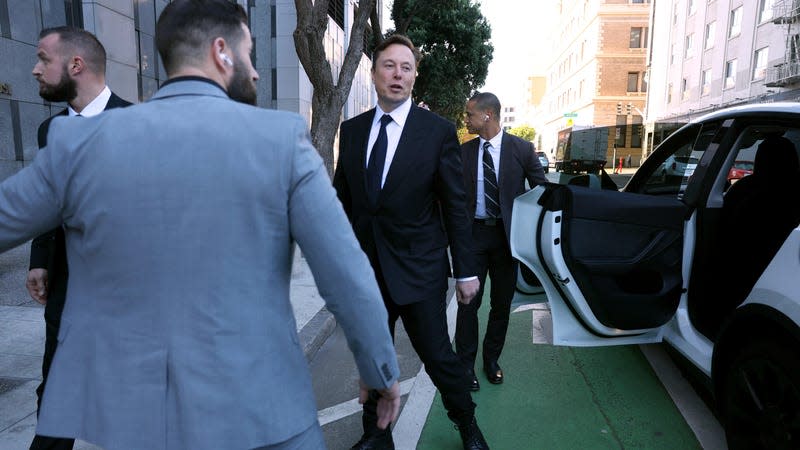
x=741, y=164
x=671, y=166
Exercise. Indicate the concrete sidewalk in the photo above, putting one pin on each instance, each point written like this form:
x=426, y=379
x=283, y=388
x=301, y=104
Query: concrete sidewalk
x=22, y=342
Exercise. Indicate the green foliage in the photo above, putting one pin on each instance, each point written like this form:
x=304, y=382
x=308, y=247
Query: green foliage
x=525, y=132
x=453, y=37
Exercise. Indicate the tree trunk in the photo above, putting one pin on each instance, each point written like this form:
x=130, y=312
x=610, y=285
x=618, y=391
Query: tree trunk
x=328, y=99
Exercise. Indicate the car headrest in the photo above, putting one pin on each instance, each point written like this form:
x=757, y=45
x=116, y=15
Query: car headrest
x=776, y=157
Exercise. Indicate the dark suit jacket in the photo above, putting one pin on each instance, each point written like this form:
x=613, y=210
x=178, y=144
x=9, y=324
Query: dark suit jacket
x=421, y=208
x=48, y=251
x=518, y=162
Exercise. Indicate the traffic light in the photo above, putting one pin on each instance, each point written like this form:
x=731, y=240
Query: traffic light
x=619, y=108
x=628, y=108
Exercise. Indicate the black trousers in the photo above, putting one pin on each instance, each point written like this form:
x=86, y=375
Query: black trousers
x=425, y=323
x=493, y=256
x=52, y=318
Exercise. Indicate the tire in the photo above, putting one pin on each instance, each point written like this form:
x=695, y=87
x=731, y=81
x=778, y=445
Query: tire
x=759, y=396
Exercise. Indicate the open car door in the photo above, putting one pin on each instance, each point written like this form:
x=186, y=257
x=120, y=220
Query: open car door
x=609, y=261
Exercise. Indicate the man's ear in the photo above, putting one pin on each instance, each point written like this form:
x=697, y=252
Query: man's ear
x=76, y=65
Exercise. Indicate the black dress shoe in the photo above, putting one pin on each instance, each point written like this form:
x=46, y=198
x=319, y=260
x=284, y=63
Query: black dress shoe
x=493, y=372
x=471, y=435
x=377, y=441
x=474, y=386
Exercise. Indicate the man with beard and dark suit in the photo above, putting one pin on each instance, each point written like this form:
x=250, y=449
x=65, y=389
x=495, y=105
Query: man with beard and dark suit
x=180, y=218
x=70, y=68
x=399, y=178
x=496, y=166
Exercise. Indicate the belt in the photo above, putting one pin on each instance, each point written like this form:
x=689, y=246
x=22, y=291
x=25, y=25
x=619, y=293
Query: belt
x=490, y=222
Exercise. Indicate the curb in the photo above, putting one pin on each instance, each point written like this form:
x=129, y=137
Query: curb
x=316, y=332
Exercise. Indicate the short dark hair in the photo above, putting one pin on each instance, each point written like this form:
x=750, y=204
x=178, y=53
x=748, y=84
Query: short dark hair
x=396, y=39
x=487, y=101
x=79, y=42
x=187, y=27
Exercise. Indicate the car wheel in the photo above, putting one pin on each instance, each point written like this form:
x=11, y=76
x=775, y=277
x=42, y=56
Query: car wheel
x=760, y=397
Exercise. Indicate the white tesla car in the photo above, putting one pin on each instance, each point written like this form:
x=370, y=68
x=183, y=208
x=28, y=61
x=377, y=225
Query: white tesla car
x=711, y=268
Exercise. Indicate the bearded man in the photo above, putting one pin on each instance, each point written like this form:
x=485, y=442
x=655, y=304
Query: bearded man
x=70, y=67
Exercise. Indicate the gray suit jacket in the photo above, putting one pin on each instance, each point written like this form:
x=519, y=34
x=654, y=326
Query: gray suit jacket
x=180, y=216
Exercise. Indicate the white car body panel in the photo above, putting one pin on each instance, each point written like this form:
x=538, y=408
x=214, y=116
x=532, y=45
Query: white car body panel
x=567, y=330
x=775, y=287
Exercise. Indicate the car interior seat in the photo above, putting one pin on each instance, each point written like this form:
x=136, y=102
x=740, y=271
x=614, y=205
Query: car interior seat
x=758, y=213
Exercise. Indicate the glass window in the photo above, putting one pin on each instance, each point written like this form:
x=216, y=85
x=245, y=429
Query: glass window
x=684, y=89
x=736, y=23
x=710, y=29
x=760, y=63
x=669, y=93
x=633, y=81
x=765, y=12
x=706, y=81
x=689, y=46
x=730, y=74
x=692, y=6
x=678, y=157
x=636, y=37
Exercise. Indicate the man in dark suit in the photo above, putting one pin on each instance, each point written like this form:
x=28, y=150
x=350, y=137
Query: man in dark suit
x=70, y=68
x=496, y=166
x=399, y=177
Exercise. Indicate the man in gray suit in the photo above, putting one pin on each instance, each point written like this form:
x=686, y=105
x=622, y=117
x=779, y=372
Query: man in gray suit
x=177, y=331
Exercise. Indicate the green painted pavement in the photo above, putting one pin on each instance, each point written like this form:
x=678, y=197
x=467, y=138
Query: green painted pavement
x=567, y=398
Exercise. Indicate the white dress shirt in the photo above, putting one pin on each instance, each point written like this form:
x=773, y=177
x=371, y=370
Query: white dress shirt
x=94, y=107
x=393, y=131
x=494, y=151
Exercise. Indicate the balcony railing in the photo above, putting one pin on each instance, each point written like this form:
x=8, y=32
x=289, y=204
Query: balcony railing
x=783, y=74
x=786, y=11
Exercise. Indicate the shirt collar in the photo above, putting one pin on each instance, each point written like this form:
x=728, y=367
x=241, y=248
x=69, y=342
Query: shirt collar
x=495, y=141
x=399, y=114
x=94, y=107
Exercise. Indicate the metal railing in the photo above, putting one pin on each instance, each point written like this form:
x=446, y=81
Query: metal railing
x=783, y=74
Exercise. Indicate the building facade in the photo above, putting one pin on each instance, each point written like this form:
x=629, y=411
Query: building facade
x=720, y=53
x=597, y=73
x=134, y=71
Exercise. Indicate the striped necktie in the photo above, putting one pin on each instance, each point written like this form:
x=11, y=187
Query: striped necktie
x=490, y=192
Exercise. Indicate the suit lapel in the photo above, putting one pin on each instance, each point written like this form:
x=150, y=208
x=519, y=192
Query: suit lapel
x=404, y=156
x=506, y=165
x=471, y=160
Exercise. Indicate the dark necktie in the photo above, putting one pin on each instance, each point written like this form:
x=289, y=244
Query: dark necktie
x=377, y=159
x=490, y=192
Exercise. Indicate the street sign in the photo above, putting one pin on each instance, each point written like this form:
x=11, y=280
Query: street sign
x=571, y=114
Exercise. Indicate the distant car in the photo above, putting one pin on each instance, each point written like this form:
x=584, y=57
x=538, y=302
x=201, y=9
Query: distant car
x=740, y=169
x=678, y=166
x=710, y=267
x=545, y=162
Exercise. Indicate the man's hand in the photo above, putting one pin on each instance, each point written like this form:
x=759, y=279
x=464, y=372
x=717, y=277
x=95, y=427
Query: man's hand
x=37, y=285
x=466, y=290
x=388, y=403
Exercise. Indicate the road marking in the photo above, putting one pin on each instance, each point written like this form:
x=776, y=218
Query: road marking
x=706, y=427
x=420, y=390
x=350, y=407
x=408, y=427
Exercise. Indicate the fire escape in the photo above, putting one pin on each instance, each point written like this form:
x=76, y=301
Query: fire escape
x=786, y=12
